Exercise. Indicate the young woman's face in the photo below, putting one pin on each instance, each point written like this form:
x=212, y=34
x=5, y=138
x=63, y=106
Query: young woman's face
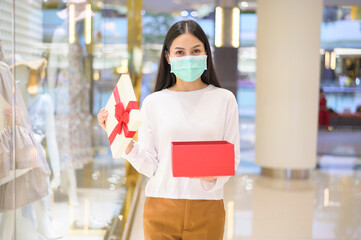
x=186, y=45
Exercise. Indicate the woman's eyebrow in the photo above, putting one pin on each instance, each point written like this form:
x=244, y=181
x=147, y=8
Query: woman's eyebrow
x=198, y=45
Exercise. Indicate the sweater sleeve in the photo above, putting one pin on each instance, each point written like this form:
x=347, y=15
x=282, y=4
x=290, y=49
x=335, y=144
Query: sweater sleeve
x=231, y=134
x=143, y=156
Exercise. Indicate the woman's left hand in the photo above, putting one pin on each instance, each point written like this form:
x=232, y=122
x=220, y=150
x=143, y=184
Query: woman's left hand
x=208, y=179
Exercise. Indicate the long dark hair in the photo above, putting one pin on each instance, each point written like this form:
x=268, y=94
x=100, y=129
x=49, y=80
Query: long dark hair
x=165, y=78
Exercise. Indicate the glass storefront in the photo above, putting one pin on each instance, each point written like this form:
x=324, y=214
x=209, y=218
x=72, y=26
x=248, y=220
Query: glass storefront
x=59, y=64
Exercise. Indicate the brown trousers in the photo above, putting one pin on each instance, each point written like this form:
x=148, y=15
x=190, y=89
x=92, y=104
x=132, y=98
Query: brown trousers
x=181, y=219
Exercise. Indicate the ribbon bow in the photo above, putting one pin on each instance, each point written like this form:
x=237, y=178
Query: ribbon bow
x=122, y=116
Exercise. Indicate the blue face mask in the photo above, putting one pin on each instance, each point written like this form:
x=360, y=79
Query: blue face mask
x=188, y=68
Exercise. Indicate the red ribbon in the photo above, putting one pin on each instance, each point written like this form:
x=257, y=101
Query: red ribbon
x=122, y=116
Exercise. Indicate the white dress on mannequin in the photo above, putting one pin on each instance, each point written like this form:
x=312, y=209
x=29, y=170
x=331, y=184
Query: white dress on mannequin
x=41, y=114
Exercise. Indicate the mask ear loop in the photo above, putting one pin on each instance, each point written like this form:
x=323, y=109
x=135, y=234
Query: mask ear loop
x=168, y=54
x=168, y=57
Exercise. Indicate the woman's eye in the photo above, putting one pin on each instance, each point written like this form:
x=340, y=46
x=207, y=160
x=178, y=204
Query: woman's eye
x=179, y=52
x=197, y=51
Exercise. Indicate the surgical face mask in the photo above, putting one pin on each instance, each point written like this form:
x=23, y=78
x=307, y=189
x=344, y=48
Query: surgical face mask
x=188, y=68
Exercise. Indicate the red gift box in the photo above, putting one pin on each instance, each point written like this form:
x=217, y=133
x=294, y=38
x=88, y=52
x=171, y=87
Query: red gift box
x=202, y=159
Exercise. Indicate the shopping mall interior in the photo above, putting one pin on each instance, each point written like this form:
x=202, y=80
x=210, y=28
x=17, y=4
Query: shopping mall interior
x=293, y=66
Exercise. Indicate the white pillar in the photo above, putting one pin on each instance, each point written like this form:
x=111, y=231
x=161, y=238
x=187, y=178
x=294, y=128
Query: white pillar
x=287, y=87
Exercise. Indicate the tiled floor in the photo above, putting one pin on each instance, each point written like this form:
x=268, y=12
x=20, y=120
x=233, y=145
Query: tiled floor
x=326, y=206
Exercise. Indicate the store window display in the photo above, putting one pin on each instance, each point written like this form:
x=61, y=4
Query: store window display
x=30, y=170
x=69, y=90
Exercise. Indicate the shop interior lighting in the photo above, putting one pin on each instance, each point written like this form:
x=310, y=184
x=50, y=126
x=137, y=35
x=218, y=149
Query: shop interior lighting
x=327, y=60
x=235, y=26
x=88, y=23
x=218, y=39
x=333, y=60
x=357, y=81
x=96, y=75
x=194, y=14
x=244, y=4
x=184, y=13
x=71, y=23
x=123, y=68
x=347, y=51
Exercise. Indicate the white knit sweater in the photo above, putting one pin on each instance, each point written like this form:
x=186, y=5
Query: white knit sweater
x=207, y=114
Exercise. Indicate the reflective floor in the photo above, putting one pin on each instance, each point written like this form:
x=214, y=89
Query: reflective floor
x=326, y=206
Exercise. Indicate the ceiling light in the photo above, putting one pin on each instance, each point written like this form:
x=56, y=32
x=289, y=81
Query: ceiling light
x=194, y=13
x=235, y=27
x=218, y=39
x=184, y=13
x=244, y=4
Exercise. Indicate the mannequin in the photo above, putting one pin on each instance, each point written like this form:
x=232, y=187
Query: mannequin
x=69, y=89
x=41, y=114
x=40, y=110
x=30, y=170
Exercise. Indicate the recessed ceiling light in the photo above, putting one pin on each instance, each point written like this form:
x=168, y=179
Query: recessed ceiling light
x=194, y=13
x=184, y=13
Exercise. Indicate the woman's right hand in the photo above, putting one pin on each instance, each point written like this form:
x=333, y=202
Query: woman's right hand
x=102, y=117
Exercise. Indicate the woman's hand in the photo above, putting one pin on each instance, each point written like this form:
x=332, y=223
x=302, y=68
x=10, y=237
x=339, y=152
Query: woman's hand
x=130, y=147
x=102, y=117
x=208, y=179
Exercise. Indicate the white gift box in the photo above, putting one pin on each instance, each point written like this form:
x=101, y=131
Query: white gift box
x=125, y=93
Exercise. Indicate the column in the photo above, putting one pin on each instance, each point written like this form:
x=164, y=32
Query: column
x=135, y=58
x=287, y=86
x=227, y=17
x=135, y=52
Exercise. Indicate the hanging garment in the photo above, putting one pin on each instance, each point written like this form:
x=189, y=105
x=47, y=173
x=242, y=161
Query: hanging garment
x=30, y=167
x=70, y=92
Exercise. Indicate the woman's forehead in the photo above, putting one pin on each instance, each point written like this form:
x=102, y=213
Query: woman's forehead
x=186, y=41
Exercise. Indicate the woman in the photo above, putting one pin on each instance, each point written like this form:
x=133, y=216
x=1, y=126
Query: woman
x=187, y=105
